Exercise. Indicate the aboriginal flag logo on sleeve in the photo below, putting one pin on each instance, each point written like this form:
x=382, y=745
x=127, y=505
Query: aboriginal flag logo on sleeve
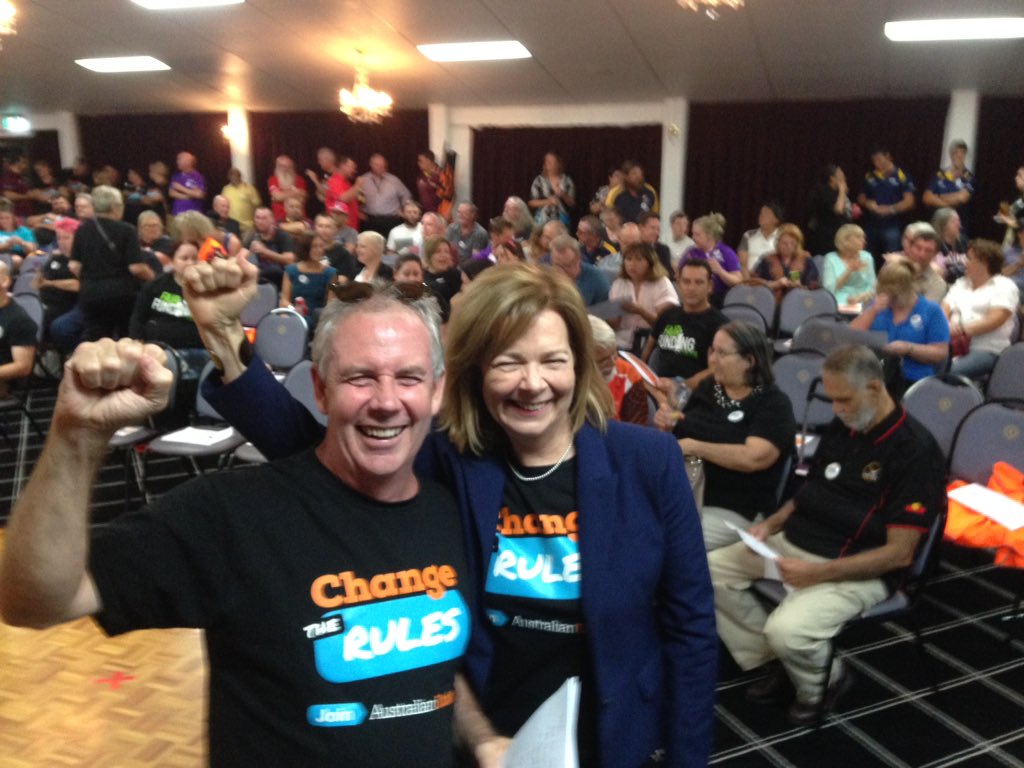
x=537, y=556
x=388, y=623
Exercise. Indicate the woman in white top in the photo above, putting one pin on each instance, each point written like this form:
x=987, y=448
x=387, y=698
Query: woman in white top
x=643, y=289
x=981, y=304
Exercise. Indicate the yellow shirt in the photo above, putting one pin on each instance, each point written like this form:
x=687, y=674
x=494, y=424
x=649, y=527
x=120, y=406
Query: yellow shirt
x=242, y=201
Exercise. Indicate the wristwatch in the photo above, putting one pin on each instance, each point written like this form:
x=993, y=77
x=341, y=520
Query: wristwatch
x=244, y=355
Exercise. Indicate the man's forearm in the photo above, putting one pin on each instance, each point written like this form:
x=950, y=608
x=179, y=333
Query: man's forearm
x=224, y=342
x=46, y=547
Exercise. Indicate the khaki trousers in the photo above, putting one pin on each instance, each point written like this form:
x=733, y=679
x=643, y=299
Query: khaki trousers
x=798, y=631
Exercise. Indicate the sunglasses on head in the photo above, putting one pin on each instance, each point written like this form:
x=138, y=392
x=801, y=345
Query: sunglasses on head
x=353, y=292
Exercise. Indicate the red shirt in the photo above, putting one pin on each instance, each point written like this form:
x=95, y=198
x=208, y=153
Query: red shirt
x=337, y=186
x=277, y=206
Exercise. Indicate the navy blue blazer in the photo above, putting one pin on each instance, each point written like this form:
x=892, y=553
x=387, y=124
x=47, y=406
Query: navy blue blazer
x=646, y=593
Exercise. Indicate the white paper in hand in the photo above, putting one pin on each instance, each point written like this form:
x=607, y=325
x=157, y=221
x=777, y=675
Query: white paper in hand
x=771, y=570
x=548, y=738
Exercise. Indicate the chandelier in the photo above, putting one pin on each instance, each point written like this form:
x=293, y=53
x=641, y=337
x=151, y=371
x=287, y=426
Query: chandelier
x=710, y=7
x=7, y=14
x=363, y=104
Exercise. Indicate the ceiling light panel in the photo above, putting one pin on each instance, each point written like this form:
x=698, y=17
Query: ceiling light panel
x=492, y=50
x=123, y=64
x=177, y=5
x=955, y=29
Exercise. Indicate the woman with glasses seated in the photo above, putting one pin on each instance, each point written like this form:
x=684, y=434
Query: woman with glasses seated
x=741, y=425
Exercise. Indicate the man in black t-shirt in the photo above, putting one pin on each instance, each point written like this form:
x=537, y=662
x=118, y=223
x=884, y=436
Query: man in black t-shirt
x=17, y=336
x=272, y=249
x=875, y=489
x=682, y=334
x=329, y=585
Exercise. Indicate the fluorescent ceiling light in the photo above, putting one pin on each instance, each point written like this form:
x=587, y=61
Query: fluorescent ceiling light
x=483, y=51
x=955, y=29
x=174, y=5
x=123, y=64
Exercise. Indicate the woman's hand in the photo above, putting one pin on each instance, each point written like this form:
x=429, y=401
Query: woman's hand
x=489, y=753
x=666, y=418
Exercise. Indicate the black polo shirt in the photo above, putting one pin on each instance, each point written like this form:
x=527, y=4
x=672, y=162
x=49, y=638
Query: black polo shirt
x=863, y=483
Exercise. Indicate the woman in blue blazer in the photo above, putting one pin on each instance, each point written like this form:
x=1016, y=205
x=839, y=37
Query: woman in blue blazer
x=581, y=533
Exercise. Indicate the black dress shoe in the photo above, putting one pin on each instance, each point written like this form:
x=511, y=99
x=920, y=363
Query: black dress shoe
x=773, y=688
x=808, y=714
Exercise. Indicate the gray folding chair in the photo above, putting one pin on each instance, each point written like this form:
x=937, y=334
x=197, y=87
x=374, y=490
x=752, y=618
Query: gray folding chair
x=989, y=433
x=748, y=313
x=299, y=383
x=897, y=605
x=281, y=338
x=203, y=440
x=799, y=306
x=760, y=297
x=820, y=334
x=798, y=374
x=264, y=302
x=34, y=307
x=25, y=283
x=1007, y=377
x=940, y=404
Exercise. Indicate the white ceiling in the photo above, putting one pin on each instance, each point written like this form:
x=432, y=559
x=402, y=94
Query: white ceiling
x=295, y=54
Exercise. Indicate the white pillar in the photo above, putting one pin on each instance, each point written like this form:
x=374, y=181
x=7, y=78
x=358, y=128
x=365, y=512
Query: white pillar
x=238, y=138
x=437, y=128
x=961, y=123
x=66, y=125
x=674, y=129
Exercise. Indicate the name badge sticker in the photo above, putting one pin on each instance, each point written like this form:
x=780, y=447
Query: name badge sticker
x=832, y=470
x=735, y=417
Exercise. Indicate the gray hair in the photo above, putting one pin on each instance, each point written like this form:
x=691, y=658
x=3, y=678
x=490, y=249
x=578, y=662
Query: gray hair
x=855, y=363
x=147, y=216
x=941, y=218
x=563, y=243
x=604, y=336
x=386, y=298
x=375, y=239
x=106, y=199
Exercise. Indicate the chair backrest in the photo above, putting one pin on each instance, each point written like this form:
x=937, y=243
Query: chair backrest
x=1007, y=378
x=940, y=404
x=760, y=297
x=299, y=383
x=281, y=338
x=261, y=304
x=820, y=334
x=31, y=304
x=989, y=433
x=25, y=283
x=748, y=314
x=801, y=304
x=796, y=374
x=203, y=408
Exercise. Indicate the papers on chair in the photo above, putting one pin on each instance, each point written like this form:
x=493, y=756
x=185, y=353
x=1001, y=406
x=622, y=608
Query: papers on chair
x=128, y=431
x=1005, y=511
x=771, y=570
x=850, y=309
x=807, y=442
x=199, y=436
x=548, y=738
x=640, y=367
x=606, y=310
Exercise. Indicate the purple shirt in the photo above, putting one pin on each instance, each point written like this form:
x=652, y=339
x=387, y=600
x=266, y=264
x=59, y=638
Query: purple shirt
x=190, y=180
x=725, y=256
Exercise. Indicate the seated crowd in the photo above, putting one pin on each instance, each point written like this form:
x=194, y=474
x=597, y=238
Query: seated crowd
x=938, y=298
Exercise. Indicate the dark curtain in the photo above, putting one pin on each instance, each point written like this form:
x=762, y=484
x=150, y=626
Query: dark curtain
x=506, y=160
x=740, y=155
x=134, y=141
x=300, y=134
x=997, y=157
x=41, y=145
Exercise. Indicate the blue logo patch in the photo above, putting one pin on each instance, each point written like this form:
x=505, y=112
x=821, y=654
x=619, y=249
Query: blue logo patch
x=393, y=636
x=336, y=715
x=498, y=618
x=542, y=568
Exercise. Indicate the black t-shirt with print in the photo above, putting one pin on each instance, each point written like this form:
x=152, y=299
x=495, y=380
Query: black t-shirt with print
x=532, y=597
x=683, y=338
x=334, y=623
